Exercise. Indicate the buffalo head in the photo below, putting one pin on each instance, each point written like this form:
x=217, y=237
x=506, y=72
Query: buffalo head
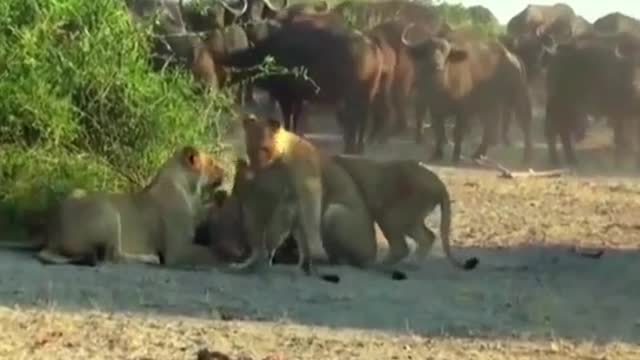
x=532, y=49
x=431, y=51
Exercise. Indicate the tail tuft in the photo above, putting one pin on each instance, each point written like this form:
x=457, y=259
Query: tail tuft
x=398, y=275
x=471, y=263
x=331, y=278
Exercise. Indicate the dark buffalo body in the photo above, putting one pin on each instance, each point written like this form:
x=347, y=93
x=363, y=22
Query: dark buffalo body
x=616, y=22
x=399, y=78
x=343, y=68
x=538, y=28
x=466, y=76
x=596, y=75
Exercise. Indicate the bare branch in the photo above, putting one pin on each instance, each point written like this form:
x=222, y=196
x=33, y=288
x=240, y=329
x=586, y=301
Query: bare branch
x=505, y=173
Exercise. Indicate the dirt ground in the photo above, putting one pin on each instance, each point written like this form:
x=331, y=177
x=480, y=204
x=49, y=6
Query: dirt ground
x=530, y=297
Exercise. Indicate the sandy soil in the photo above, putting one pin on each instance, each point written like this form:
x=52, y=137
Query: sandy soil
x=530, y=297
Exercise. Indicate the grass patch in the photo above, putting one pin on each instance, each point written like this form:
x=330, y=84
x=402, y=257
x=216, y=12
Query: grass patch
x=81, y=107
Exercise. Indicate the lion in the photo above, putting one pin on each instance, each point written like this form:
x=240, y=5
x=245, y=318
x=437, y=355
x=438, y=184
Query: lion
x=400, y=194
x=348, y=235
x=285, y=166
x=153, y=226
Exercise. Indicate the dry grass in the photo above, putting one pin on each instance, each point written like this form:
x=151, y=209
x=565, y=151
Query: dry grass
x=530, y=298
x=48, y=334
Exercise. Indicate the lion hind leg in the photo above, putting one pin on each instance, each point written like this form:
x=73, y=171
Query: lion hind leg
x=394, y=230
x=425, y=238
x=307, y=230
x=253, y=263
x=350, y=237
x=48, y=256
x=120, y=256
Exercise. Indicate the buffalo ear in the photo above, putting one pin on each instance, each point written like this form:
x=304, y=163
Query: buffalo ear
x=274, y=125
x=457, y=55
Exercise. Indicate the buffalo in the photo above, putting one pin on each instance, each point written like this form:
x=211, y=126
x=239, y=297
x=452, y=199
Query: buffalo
x=538, y=28
x=616, y=22
x=532, y=35
x=343, y=69
x=398, y=79
x=596, y=75
x=466, y=76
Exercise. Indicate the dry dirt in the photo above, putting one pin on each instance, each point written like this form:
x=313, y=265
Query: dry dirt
x=530, y=297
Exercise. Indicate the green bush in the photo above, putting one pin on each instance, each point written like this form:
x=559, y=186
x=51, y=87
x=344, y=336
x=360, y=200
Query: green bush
x=80, y=105
x=459, y=16
x=456, y=15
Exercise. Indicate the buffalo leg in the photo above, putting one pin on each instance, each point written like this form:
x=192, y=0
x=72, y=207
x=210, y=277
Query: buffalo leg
x=439, y=132
x=488, y=134
x=421, y=112
x=349, y=129
x=380, y=116
x=506, y=116
x=567, y=145
x=637, y=124
x=298, y=118
x=286, y=106
x=524, y=116
x=363, y=122
x=458, y=135
x=551, y=134
x=620, y=140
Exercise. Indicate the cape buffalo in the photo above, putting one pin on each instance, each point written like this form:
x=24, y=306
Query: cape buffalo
x=399, y=79
x=554, y=19
x=342, y=66
x=534, y=32
x=596, y=75
x=467, y=77
x=617, y=23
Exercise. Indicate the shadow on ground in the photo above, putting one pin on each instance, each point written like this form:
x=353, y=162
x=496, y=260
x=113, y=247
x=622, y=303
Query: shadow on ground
x=525, y=291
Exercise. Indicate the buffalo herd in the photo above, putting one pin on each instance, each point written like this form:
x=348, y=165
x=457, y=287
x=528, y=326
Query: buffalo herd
x=371, y=62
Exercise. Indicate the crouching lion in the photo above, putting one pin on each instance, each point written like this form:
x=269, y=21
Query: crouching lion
x=401, y=194
x=153, y=225
x=285, y=172
x=348, y=235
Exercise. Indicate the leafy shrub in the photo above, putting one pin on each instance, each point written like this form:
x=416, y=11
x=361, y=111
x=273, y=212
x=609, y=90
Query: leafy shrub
x=80, y=105
x=475, y=18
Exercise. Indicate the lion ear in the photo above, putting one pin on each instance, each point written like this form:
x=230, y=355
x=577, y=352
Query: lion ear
x=249, y=120
x=192, y=156
x=274, y=125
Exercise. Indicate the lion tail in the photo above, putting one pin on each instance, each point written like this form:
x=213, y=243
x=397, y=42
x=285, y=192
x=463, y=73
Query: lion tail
x=445, y=232
x=30, y=245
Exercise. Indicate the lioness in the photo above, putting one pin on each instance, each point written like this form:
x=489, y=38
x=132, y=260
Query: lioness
x=348, y=235
x=400, y=194
x=153, y=225
x=294, y=164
